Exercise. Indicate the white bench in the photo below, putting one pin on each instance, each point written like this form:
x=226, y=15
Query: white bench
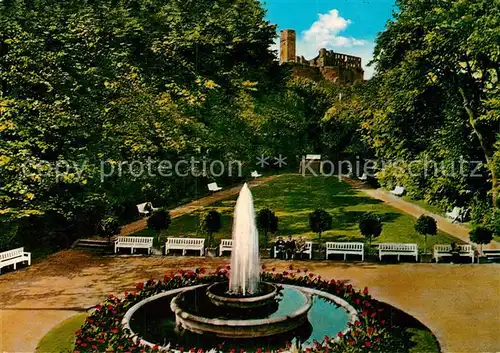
x=405, y=249
x=225, y=245
x=13, y=257
x=134, y=243
x=492, y=254
x=184, y=244
x=364, y=177
x=398, y=191
x=442, y=250
x=345, y=248
x=146, y=211
x=307, y=250
x=213, y=187
x=455, y=214
x=255, y=174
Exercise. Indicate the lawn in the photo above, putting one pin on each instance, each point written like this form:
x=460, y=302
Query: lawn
x=62, y=337
x=293, y=197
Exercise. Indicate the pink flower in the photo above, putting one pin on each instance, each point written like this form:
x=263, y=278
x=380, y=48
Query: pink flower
x=368, y=344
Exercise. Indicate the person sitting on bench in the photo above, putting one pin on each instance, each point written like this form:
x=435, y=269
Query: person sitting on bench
x=280, y=248
x=300, y=247
x=291, y=247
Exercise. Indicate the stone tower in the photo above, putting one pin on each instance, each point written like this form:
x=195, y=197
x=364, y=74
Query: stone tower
x=287, y=46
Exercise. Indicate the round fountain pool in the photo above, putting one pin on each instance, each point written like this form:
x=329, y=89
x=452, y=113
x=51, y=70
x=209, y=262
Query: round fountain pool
x=306, y=314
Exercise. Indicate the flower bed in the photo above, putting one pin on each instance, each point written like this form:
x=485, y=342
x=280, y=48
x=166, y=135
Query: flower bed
x=373, y=332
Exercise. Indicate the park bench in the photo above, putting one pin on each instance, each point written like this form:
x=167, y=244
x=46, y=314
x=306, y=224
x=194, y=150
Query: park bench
x=364, y=177
x=398, y=249
x=133, y=243
x=146, y=208
x=225, y=245
x=443, y=250
x=492, y=254
x=307, y=250
x=184, y=244
x=213, y=187
x=456, y=214
x=398, y=191
x=13, y=257
x=345, y=249
x=255, y=174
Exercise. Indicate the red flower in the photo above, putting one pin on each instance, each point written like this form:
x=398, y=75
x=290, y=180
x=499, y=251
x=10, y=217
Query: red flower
x=368, y=344
x=84, y=344
x=114, y=330
x=139, y=286
x=273, y=269
x=373, y=314
x=357, y=323
x=311, y=274
x=352, y=342
x=285, y=273
x=98, y=307
x=228, y=267
x=370, y=330
x=200, y=350
x=78, y=332
x=263, y=266
x=290, y=267
x=340, y=334
x=298, y=270
x=365, y=291
x=382, y=322
x=327, y=339
x=364, y=313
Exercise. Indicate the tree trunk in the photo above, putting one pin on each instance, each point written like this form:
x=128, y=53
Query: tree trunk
x=488, y=153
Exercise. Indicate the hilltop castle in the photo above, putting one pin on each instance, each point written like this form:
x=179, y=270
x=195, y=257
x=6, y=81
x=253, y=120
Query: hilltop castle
x=328, y=65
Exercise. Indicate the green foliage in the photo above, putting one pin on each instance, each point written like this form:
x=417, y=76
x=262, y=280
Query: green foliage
x=426, y=225
x=160, y=220
x=210, y=223
x=481, y=235
x=320, y=221
x=370, y=226
x=109, y=226
x=267, y=222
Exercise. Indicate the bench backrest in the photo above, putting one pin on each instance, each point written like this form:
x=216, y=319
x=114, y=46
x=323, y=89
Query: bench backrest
x=6, y=255
x=344, y=246
x=186, y=241
x=254, y=174
x=398, y=247
x=447, y=248
x=316, y=157
x=309, y=245
x=226, y=243
x=212, y=186
x=456, y=211
x=142, y=206
x=135, y=240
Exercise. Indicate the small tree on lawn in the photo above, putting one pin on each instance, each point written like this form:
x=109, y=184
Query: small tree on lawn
x=319, y=221
x=159, y=221
x=267, y=222
x=108, y=227
x=481, y=235
x=370, y=227
x=210, y=223
x=426, y=225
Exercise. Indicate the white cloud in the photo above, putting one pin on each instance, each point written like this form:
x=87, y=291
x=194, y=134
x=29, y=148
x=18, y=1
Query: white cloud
x=325, y=33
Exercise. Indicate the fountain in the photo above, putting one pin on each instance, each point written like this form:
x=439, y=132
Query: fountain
x=243, y=309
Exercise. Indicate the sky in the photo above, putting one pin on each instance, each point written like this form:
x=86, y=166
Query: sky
x=345, y=26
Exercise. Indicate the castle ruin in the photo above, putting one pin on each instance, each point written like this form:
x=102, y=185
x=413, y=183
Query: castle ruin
x=329, y=65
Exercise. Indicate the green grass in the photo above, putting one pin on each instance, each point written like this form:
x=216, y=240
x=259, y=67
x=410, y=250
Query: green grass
x=62, y=337
x=424, y=341
x=293, y=197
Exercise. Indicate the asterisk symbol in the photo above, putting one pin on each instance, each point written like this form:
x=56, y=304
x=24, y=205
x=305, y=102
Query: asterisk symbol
x=280, y=161
x=262, y=161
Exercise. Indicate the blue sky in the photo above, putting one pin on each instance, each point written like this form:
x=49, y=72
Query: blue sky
x=345, y=26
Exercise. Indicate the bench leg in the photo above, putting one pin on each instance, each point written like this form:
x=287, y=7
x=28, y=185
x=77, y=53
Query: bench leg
x=183, y=252
x=131, y=250
x=345, y=256
x=363, y=257
x=15, y=265
x=398, y=257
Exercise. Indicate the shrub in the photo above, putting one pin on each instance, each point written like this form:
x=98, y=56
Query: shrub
x=426, y=225
x=267, y=222
x=319, y=221
x=210, y=223
x=481, y=235
x=108, y=227
x=370, y=226
x=159, y=221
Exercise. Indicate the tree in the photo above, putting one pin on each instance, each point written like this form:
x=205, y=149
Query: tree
x=426, y=225
x=481, y=235
x=109, y=226
x=319, y=221
x=370, y=226
x=210, y=223
x=267, y=222
x=159, y=221
x=443, y=55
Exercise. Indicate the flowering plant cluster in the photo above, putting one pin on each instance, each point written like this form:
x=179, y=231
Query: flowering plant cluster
x=102, y=331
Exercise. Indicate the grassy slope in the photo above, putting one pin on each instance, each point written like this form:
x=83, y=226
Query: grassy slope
x=62, y=337
x=293, y=197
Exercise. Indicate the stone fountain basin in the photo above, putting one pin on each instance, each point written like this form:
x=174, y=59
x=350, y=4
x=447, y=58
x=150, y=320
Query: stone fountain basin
x=216, y=290
x=240, y=328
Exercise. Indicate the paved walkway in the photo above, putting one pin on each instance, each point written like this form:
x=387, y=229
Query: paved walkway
x=457, y=230
x=195, y=205
x=459, y=303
